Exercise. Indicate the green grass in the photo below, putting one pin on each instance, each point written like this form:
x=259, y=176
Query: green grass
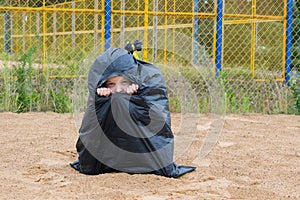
x=29, y=89
x=26, y=88
x=295, y=87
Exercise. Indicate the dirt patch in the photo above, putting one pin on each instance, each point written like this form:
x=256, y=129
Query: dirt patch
x=256, y=157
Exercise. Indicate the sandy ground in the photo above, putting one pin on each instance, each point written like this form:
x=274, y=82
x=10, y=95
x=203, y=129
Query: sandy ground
x=256, y=157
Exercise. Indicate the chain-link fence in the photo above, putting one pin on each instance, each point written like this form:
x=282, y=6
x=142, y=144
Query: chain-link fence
x=250, y=47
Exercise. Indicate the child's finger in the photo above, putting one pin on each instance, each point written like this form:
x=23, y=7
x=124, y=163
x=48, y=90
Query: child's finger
x=132, y=89
x=98, y=91
x=136, y=87
x=107, y=92
x=103, y=91
x=129, y=90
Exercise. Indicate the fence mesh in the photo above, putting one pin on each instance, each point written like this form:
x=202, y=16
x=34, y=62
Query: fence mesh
x=47, y=47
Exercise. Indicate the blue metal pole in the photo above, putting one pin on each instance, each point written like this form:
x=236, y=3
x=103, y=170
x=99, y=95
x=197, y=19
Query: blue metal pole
x=107, y=24
x=7, y=33
x=219, y=36
x=288, y=33
x=196, y=34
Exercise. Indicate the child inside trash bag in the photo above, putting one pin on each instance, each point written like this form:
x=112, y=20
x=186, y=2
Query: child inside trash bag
x=126, y=126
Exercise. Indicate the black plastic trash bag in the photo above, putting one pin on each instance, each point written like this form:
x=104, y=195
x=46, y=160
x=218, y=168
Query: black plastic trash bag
x=123, y=132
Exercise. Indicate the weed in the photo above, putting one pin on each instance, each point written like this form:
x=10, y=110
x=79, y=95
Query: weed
x=295, y=88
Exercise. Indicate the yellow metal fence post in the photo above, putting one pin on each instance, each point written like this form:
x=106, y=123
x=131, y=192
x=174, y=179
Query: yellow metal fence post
x=44, y=67
x=102, y=26
x=165, y=38
x=253, y=37
x=145, y=56
x=44, y=36
x=283, y=75
x=173, y=32
x=215, y=36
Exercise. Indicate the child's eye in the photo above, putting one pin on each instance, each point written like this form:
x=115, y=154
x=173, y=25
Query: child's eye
x=110, y=85
x=125, y=82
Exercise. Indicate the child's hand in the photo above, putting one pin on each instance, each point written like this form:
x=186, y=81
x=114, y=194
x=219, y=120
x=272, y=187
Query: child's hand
x=104, y=91
x=132, y=89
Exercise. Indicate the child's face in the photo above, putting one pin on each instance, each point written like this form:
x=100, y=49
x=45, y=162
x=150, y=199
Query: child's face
x=117, y=84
